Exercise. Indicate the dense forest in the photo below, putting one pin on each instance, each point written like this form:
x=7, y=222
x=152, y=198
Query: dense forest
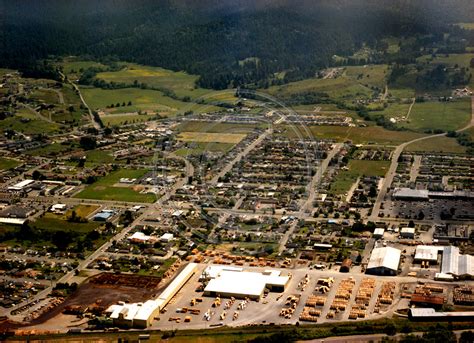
x=226, y=42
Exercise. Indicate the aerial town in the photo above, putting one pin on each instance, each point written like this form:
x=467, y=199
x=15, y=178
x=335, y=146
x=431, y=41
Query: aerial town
x=135, y=202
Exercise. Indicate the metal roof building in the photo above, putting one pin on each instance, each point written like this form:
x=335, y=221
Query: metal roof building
x=428, y=253
x=456, y=264
x=424, y=314
x=384, y=261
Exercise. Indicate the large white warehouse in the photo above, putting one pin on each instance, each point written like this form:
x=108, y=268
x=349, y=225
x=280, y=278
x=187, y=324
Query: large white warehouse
x=384, y=261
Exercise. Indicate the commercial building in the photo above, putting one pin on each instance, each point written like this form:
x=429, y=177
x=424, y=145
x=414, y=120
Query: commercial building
x=140, y=315
x=384, y=261
x=103, y=216
x=424, y=194
x=243, y=284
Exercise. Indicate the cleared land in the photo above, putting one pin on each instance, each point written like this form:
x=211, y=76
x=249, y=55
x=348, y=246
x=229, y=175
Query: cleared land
x=357, y=168
x=209, y=137
x=82, y=211
x=124, y=119
x=8, y=163
x=181, y=83
x=438, y=144
x=208, y=127
x=195, y=148
x=24, y=120
x=141, y=100
x=358, y=135
x=434, y=115
x=71, y=65
x=53, y=149
x=104, y=188
x=369, y=75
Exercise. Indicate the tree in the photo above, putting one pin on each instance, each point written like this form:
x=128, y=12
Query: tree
x=88, y=142
x=37, y=175
x=411, y=223
x=61, y=239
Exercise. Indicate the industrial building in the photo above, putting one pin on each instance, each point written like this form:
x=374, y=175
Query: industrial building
x=430, y=314
x=407, y=232
x=378, y=233
x=384, y=261
x=140, y=315
x=424, y=194
x=458, y=265
x=242, y=284
x=428, y=253
x=21, y=186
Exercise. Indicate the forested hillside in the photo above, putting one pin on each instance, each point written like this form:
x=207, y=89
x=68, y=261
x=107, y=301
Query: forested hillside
x=227, y=43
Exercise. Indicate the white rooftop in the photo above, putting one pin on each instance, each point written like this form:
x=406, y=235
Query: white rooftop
x=244, y=283
x=456, y=264
x=427, y=252
x=387, y=257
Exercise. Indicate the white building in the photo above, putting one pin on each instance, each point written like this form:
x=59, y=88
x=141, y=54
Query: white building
x=456, y=264
x=407, y=232
x=21, y=186
x=141, y=315
x=243, y=284
x=378, y=233
x=166, y=237
x=427, y=253
x=384, y=261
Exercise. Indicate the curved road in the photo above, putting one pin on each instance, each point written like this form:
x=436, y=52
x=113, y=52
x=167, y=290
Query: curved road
x=394, y=164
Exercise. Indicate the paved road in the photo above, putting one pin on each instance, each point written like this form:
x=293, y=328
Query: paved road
x=91, y=115
x=241, y=154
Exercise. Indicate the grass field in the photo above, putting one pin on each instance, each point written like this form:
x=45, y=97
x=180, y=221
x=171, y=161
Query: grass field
x=200, y=126
x=53, y=149
x=357, y=168
x=142, y=100
x=467, y=26
x=462, y=60
x=181, y=83
x=27, y=122
x=8, y=163
x=358, y=135
x=401, y=93
x=437, y=144
x=208, y=137
x=104, y=188
x=99, y=157
x=53, y=222
x=439, y=115
x=195, y=148
x=341, y=88
x=71, y=64
x=370, y=75
x=394, y=110
x=82, y=211
x=123, y=119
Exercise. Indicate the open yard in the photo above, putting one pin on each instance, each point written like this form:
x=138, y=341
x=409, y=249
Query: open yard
x=357, y=168
x=433, y=115
x=124, y=119
x=368, y=75
x=195, y=148
x=201, y=126
x=8, y=163
x=82, y=211
x=358, y=135
x=438, y=144
x=144, y=100
x=209, y=137
x=105, y=189
x=181, y=83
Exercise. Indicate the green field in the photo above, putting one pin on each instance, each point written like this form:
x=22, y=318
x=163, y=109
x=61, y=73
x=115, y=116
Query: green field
x=433, y=115
x=53, y=149
x=99, y=157
x=8, y=163
x=209, y=137
x=181, y=83
x=53, y=222
x=401, y=93
x=357, y=168
x=82, y=211
x=194, y=148
x=462, y=60
x=200, y=126
x=71, y=64
x=27, y=122
x=123, y=119
x=144, y=100
x=358, y=135
x=341, y=88
x=394, y=110
x=370, y=75
x=437, y=144
x=104, y=188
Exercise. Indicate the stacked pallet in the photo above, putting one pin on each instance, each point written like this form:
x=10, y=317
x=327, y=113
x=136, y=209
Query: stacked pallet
x=343, y=294
x=464, y=295
x=315, y=300
x=386, y=295
x=310, y=314
x=365, y=292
